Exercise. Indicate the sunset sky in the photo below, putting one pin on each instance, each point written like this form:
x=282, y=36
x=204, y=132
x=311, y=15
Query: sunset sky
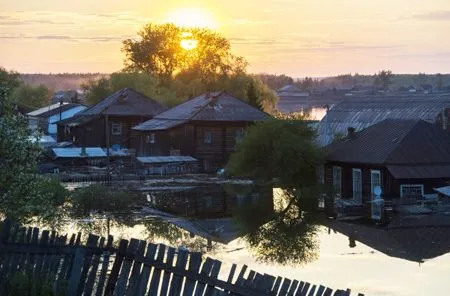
x=295, y=37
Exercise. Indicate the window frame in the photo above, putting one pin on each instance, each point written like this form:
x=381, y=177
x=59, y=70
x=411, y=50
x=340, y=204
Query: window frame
x=372, y=187
x=411, y=185
x=358, y=198
x=116, y=126
x=337, y=185
x=150, y=139
x=207, y=137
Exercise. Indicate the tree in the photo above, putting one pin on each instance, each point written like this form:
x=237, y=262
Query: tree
x=252, y=96
x=31, y=97
x=383, y=79
x=284, y=151
x=8, y=79
x=23, y=193
x=160, y=52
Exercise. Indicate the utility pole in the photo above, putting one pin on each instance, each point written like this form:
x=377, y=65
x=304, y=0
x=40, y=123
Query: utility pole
x=107, y=143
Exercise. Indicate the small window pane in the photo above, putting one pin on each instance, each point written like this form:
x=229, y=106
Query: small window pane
x=207, y=137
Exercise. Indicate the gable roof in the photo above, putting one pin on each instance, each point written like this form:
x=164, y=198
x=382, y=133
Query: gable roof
x=125, y=102
x=52, y=111
x=394, y=142
x=363, y=112
x=217, y=106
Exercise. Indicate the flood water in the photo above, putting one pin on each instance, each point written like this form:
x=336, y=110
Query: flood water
x=341, y=263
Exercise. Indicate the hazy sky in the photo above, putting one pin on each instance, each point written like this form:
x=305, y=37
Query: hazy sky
x=295, y=37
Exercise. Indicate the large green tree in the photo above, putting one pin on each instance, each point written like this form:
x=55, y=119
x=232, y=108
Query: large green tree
x=31, y=97
x=282, y=153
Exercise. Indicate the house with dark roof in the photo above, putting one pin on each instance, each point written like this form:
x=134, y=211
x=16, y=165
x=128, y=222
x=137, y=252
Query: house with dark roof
x=110, y=120
x=362, y=112
x=406, y=158
x=45, y=118
x=206, y=127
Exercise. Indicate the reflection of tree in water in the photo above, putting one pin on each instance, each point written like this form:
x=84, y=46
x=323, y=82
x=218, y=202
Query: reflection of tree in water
x=158, y=229
x=285, y=234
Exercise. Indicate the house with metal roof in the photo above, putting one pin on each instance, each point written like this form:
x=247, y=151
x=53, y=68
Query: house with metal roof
x=109, y=122
x=405, y=158
x=362, y=112
x=206, y=127
x=45, y=118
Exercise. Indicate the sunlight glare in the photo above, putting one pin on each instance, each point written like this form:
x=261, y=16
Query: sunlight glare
x=192, y=17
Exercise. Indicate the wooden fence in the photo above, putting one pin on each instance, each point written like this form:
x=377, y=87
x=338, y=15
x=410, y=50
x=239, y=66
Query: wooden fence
x=135, y=267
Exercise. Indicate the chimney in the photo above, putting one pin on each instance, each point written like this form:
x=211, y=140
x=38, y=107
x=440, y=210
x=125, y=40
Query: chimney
x=351, y=132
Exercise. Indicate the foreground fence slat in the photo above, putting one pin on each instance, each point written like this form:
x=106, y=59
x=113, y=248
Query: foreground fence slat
x=134, y=268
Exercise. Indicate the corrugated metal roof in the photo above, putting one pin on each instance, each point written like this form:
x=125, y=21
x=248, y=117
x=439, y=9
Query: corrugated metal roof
x=394, y=141
x=361, y=113
x=75, y=152
x=444, y=190
x=45, y=109
x=217, y=106
x=165, y=159
x=63, y=108
x=420, y=171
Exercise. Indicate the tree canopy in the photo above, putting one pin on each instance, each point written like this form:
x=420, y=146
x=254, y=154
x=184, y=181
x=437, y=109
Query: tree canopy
x=283, y=153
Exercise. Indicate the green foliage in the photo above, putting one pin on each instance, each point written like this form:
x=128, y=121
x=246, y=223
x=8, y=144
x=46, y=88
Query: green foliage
x=31, y=97
x=103, y=199
x=159, y=52
x=21, y=284
x=383, y=79
x=9, y=80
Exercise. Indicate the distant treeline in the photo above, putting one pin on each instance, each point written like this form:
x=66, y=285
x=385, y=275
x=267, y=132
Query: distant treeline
x=61, y=81
x=73, y=81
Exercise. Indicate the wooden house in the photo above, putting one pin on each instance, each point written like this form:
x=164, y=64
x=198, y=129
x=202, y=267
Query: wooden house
x=362, y=112
x=110, y=120
x=406, y=158
x=206, y=127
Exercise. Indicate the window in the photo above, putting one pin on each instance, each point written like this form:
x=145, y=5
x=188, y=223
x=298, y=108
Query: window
x=116, y=128
x=411, y=191
x=375, y=180
x=337, y=180
x=207, y=137
x=150, y=138
x=357, y=185
x=239, y=134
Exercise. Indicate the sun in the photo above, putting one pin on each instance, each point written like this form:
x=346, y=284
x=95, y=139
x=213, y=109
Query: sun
x=192, y=18
x=187, y=41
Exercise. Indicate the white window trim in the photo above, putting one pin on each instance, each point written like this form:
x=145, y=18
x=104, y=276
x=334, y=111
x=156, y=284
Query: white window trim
x=359, y=198
x=372, y=173
x=118, y=127
x=340, y=180
x=150, y=139
x=411, y=185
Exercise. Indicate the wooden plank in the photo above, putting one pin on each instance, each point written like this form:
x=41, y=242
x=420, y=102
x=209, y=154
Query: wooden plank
x=312, y=290
x=154, y=283
x=266, y=283
x=48, y=258
x=177, y=281
x=319, y=291
x=214, y=274
x=145, y=274
x=91, y=242
x=240, y=279
x=93, y=272
x=206, y=270
x=136, y=271
x=300, y=288
x=104, y=268
x=305, y=289
x=75, y=273
x=122, y=281
x=328, y=292
x=113, y=276
x=167, y=274
x=284, y=287
x=66, y=265
x=195, y=260
x=293, y=288
x=276, y=286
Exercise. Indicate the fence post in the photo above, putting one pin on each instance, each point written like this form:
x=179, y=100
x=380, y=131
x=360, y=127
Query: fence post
x=75, y=273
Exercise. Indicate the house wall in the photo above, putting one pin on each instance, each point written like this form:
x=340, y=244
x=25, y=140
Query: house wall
x=189, y=139
x=390, y=185
x=93, y=133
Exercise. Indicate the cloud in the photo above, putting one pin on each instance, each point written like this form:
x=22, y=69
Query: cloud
x=433, y=16
x=101, y=39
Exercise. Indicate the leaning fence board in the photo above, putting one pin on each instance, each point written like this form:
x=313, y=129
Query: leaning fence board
x=305, y=289
x=93, y=272
x=122, y=281
x=284, y=287
x=154, y=283
x=195, y=259
x=167, y=274
x=136, y=271
x=206, y=269
x=312, y=290
x=177, y=281
x=104, y=269
x=214, y=274
x=75, y=273
x=113, y=276
x=293, y=288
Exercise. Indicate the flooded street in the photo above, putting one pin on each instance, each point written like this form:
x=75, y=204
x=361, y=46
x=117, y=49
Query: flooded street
x=341, y=262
